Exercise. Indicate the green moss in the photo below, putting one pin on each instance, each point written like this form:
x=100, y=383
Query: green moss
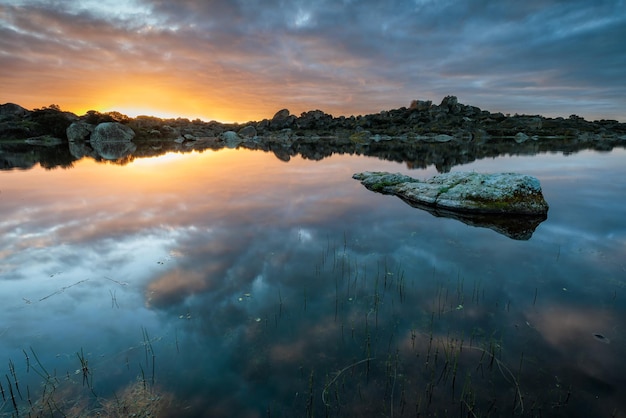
x=505, y=204
x=380, y=186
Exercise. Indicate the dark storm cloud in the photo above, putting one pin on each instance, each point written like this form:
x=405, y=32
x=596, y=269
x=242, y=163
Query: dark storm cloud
x=552, y=57
x=504, y=53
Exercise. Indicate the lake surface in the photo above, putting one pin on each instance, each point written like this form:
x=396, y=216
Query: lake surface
x=231, y=283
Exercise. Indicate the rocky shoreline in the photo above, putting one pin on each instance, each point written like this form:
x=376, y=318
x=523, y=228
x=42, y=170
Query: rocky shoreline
x=420, y=135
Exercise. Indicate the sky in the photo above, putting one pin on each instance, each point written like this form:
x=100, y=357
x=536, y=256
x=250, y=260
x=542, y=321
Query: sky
x=243, y=60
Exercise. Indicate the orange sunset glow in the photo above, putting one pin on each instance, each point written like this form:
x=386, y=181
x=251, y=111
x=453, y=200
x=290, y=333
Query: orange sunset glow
x=240, y=61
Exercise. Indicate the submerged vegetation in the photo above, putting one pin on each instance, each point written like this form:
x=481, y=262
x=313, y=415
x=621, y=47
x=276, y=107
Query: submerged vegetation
x=76, y=393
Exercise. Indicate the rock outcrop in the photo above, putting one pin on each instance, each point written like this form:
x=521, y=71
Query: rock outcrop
x=508, y=203
x=502, y=193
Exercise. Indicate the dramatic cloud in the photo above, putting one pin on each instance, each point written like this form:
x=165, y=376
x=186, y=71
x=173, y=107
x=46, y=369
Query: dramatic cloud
x=242, y=60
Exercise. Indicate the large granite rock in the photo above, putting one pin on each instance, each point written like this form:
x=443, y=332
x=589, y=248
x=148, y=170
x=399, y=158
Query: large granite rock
x=10, y=110
x=248, y=131
x=282, y=119
x=231, y=139
x=79, y=131
x=502, y=193
x=112, y=140
x=112, y=132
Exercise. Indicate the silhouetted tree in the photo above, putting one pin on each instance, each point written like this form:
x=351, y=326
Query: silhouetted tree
x=94, y=117
x=50, y=121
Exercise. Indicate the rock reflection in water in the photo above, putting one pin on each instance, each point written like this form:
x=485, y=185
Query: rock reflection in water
x=114, y=150
x=518, y=227
x=415, y=154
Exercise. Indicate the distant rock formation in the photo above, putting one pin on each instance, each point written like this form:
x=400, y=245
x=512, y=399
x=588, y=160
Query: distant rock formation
x=421, y=134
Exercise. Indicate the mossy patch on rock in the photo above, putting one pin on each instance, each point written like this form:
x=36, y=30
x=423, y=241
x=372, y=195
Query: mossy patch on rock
x=381, y=182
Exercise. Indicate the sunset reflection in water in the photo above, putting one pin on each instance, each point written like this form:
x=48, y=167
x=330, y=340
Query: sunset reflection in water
x=250, y=274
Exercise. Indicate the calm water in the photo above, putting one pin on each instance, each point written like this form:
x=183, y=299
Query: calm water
x=230, y=283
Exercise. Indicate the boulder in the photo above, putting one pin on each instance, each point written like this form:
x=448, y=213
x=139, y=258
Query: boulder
x=281, y=114
x=112, y=132
x=500, y=193
x=79, y=131
x=11, y=110
x=282, y=119
x=247, y=131
x=231, y=139
x=112, y=140
x=420, y=105
x=451, y=103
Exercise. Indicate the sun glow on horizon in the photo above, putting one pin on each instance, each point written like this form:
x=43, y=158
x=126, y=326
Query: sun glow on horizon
x=224, y=115
x=159, y=94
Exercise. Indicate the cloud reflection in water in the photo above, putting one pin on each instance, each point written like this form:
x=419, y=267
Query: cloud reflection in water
x=251, y=273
